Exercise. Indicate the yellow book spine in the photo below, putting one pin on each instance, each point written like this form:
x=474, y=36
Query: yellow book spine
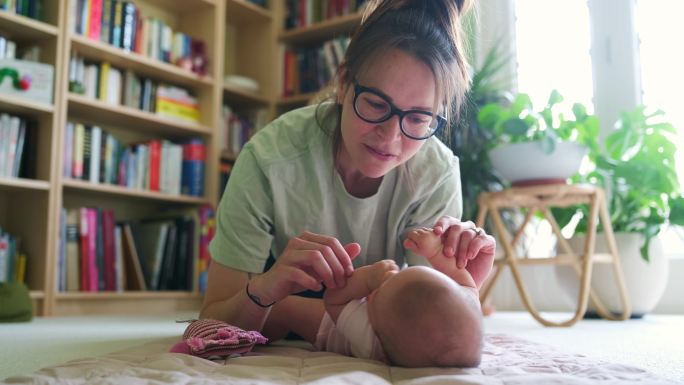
x=20, y=271
x=104, y=81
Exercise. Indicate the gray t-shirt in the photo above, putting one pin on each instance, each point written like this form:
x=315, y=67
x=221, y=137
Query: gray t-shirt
x=284, y=183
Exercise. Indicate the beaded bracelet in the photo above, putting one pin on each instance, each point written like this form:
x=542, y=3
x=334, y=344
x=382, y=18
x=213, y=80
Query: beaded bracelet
x=256, y=299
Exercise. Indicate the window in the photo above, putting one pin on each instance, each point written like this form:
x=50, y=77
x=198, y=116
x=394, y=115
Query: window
x=553, y=50
x=659, y=26
x=662, y=62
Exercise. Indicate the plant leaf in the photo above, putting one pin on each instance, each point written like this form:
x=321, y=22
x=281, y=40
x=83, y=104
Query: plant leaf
x=515, y=127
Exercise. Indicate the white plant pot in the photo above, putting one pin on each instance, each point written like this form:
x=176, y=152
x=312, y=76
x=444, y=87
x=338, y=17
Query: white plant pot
x=645, y=281
x=527, y=163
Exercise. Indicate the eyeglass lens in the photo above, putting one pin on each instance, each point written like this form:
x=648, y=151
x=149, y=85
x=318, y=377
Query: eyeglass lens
x=375, y=109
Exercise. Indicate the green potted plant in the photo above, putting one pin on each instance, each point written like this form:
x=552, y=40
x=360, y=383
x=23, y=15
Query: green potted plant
x=468, y=140
x=636, y=168
x=534, y=147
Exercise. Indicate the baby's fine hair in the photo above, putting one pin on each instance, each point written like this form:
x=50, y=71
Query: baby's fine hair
x=444, y=325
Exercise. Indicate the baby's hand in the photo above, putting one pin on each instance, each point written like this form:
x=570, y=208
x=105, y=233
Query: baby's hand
x=382, y=271
x=425, y=242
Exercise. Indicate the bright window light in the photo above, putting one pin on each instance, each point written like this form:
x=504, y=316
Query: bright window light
x=553, y=50
x=659, y=26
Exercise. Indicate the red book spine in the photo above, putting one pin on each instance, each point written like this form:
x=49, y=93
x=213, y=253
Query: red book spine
x=155, y=155
x=85, y=267
x=93, y=273
x=95, y=19
x=109, y=250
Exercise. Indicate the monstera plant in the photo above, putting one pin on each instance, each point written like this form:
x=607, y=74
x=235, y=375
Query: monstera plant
x=636, y=168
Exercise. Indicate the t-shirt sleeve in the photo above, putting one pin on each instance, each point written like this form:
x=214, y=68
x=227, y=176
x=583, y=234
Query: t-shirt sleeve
x=244, y=217
x=444, y=199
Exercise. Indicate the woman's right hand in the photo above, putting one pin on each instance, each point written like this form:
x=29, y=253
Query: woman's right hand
x=308, y=260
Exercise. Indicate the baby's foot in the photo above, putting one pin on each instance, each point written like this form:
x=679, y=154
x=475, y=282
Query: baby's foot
x=423, y=241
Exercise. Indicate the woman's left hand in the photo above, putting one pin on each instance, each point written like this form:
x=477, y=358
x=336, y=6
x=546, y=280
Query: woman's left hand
x=470, y=246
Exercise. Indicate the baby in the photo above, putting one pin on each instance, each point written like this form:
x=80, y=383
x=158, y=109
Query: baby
x=416, y=317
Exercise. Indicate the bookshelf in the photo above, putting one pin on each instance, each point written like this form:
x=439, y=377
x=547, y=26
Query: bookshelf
x=26, y=202
x=242, y=40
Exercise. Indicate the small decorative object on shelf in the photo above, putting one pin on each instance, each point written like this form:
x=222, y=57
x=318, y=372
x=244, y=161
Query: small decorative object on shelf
x=29, y=80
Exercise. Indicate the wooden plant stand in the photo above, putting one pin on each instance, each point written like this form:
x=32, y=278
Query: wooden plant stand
x=540, y=199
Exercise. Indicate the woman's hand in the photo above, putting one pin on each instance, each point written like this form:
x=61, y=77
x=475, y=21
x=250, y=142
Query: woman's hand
x=308, y=260
x=469, y=246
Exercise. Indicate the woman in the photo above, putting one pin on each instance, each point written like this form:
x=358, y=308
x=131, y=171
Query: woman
x=327, y=188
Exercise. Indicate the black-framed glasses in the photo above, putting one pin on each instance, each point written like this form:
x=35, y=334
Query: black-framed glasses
x=374, y=107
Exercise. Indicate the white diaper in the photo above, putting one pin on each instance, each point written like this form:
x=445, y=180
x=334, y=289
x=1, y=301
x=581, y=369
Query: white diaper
x=352, y=336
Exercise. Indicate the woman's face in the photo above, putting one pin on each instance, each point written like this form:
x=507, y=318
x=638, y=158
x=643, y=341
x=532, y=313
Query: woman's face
x=371, y=150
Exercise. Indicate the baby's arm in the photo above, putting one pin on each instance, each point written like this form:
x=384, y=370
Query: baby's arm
x=425, y=242
x=361, y=283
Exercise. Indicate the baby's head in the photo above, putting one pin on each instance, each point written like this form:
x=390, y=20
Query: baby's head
x=424, y=318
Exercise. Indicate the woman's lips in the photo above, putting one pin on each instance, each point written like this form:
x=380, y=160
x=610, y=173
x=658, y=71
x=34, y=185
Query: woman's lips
x=379, y=154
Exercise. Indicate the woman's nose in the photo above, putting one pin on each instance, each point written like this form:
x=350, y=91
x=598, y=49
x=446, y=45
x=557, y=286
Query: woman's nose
x=390, y=129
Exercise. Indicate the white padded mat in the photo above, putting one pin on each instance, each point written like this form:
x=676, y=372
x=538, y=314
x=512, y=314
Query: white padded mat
x=506, y=360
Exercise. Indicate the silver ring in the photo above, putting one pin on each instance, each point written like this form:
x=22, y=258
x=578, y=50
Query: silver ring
x=478, y=231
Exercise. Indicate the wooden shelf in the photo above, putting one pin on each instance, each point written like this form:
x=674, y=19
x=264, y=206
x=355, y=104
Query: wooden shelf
x=108, y=189
x=228, y=155
x=241, y=96
x=113, y=295
x=297, y=99
x=244, y=12
x=23, y=184
x=141, y=65
x=322, y=31
x=22, y=27
x=182, y=6
x=128, y=302
x=18, y=105
x=107, y=114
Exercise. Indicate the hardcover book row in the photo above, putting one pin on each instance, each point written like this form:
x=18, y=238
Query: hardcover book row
x=98, y=253
x=95, y=155
x=121, y=24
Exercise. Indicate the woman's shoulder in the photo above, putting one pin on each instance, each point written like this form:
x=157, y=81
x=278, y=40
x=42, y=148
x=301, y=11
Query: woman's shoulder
x=434, y=156
x=288, y=136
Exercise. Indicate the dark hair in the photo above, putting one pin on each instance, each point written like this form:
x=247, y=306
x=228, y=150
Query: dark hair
x=430, y=30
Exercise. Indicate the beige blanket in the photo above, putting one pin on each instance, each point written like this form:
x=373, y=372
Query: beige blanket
x=506, y=360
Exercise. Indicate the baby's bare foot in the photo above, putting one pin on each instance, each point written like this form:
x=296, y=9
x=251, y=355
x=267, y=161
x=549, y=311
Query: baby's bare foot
x=424, y=241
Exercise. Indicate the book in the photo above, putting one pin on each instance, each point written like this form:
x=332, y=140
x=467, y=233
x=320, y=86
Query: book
x=73, y=255
x=194, y=158
x=132, y=264
x=109, y=250
x=150, y=242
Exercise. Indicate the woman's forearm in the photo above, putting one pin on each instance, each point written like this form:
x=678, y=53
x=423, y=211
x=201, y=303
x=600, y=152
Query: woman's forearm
x=238, y=310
